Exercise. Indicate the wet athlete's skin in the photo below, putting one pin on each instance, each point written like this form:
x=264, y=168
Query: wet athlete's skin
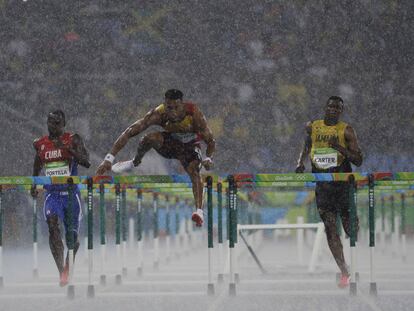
x=175, y=111
x=56, y=125
x=352, y=153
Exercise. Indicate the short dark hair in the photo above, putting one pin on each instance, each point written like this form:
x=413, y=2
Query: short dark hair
x=335, y=99
x=174, y=94
x=59, y=113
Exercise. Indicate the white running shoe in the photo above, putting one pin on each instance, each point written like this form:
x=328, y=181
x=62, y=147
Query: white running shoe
x=198, y=217
x=123, y=167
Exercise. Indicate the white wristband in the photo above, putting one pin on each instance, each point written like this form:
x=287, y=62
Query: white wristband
x=110, y=158
x=208, y=159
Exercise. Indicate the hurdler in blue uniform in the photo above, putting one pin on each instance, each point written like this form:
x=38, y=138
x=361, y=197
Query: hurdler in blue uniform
x=59, y=154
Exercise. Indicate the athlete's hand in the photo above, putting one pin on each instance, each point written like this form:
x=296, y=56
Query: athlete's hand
x=104, y=167
x=207, y=163
x=334, y=143
x=33, y=192
x=300, y=168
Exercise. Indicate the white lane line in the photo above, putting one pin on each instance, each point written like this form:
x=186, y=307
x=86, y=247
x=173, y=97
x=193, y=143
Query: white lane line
x=164, y=282
x=32, y=296
x=150, y=294
x=145, y=274
x=316, y=292
x=395, y=292
x=45, y=284
x=103, y=295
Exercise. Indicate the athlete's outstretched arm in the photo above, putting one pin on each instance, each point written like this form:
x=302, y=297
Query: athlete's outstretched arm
x=300, y=167
x=353, y=152
x=79, y=152
x=37, y=168
x=151, y=118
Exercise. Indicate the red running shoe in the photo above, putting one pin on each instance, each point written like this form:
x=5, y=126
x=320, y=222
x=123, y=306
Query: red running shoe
x=198, y=217
x=64, y=276
x=344, y=281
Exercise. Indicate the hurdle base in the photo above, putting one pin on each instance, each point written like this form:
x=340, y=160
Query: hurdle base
x=91, y=291
x=118, y=279
x=124, y=272
x=139, y=271
x=71, y=292
x=373, y=289
x=210, y=289
x=353, y=289
x=232, y=289
x=102, y=280
x=357, y=278
x=220, y=278
x=1, y=282
x=36, y=274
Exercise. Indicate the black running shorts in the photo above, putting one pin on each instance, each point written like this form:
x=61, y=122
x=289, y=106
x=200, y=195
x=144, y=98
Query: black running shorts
x=332, y=196
x=175, y=149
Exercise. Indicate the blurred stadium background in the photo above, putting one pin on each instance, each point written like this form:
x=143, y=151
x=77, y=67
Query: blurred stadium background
x=258, y=69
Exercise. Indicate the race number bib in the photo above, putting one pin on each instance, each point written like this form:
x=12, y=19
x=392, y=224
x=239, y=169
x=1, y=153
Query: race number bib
x=184, y=137
x=325, y=158
x=57, y=169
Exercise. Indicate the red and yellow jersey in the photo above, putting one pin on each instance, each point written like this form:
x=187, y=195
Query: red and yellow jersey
x=183, y=130
x=56, y=161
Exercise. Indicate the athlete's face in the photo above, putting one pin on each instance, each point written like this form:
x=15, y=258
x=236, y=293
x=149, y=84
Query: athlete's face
x=333, y=110
x=174, y=109
x=55, y=124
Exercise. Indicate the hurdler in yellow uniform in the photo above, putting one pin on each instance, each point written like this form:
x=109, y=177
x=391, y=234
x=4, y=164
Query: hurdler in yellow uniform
x=323, y=157
x=332, y=146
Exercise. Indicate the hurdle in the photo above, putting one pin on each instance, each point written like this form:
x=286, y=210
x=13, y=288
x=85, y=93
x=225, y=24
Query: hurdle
x=294, y=180
x=124, y=185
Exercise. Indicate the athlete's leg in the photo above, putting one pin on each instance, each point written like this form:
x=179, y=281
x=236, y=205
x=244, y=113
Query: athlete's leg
x=193, y=170
x=327, y=211
x=55, y=241
x=75, y=246
x=334, y=241
x=76, y=216
x=344, y=211
x=149, y=141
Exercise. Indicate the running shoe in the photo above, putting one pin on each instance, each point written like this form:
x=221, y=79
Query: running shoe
x=64, y=276
x=123, y=167
x=198, y=217
x=344, y=281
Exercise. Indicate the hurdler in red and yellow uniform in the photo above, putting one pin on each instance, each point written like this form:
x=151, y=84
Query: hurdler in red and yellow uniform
x=59, y=154
x=184, y=127
x=181, y=139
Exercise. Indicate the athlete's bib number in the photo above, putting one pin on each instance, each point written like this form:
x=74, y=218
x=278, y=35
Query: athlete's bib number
x=57, y=169
x=325, y=158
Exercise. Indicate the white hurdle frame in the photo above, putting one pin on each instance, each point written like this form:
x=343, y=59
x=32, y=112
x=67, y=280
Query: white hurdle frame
x=316, y=245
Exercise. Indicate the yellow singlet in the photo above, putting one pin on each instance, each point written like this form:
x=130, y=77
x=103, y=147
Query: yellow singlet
x=322, y=156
